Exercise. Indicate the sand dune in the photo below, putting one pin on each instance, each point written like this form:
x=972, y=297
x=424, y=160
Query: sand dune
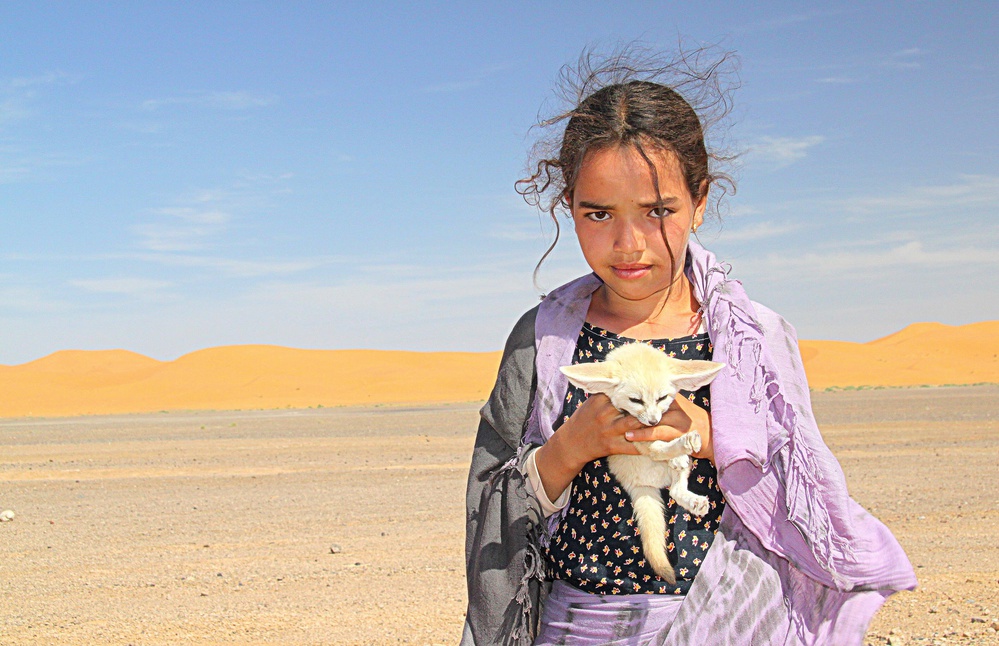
x=240, y=377
x=75, y=382
x=921, y=354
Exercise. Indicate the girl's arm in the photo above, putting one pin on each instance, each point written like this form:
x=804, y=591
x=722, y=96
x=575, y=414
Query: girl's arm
x=595, y=430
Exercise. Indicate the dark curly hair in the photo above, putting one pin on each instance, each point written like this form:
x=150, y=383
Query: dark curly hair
x=640, y=99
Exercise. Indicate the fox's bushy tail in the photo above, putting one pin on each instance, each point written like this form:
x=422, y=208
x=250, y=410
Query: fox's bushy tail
x=650, y=515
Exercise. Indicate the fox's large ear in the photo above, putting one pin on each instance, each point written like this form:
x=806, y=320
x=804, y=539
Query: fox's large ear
x=691, y=375
x=592, y=377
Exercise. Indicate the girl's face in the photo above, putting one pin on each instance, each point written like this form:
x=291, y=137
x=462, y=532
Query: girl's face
x=618, y=217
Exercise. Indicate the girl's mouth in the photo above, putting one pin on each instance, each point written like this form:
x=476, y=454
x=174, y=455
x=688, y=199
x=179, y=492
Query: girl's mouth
x=631, y=271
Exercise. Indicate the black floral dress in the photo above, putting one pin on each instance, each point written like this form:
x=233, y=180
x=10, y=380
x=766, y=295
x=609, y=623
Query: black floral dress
x=596, y=545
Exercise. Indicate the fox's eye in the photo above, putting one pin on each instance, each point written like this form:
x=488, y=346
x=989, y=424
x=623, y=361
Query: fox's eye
x=662, y=399
x=635, y=400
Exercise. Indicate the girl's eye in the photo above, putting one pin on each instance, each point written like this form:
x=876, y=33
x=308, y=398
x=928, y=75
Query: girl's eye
x=661, y=212
x=598, y=216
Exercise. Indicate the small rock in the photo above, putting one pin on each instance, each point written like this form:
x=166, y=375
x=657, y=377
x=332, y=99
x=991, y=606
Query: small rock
x=894, y=640
x=6, y=516
x=977, y=620
x=335, y=549
x=932, y=611
x=995, y=625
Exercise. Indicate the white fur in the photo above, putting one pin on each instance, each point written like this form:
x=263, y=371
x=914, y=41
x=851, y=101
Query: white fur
x=643, y=382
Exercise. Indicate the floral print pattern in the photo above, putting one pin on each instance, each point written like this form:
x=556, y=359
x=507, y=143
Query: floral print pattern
x=597, y=547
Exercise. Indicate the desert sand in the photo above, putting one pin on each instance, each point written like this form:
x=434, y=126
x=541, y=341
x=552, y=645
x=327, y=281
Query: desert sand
x=266, y=495
x=268, y=377
x=345, y=526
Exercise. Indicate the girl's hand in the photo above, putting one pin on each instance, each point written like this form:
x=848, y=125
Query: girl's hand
x=595, y=430
x=683, y=416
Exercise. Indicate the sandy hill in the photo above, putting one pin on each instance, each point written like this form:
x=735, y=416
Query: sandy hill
x=75, y=382
x=921, y=354
x=240, y=377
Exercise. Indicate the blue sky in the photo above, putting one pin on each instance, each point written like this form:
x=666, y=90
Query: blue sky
x=176, y=176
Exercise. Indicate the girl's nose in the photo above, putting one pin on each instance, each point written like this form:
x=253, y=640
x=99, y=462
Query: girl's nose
x=629, y=238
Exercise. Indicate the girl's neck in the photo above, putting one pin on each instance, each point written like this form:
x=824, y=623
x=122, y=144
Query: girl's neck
x=671, y=314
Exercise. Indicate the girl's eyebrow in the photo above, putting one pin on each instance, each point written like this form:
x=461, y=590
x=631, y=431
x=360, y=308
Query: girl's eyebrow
x=665, y=201
x=594, y=205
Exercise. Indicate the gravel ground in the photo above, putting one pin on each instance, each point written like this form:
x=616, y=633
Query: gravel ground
x=345, y=526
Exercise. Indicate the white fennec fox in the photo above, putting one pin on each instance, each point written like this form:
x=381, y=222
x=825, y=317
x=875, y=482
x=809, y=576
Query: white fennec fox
x=643, y=382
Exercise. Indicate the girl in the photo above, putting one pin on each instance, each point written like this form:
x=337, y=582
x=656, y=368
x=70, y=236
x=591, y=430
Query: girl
x=784, y=556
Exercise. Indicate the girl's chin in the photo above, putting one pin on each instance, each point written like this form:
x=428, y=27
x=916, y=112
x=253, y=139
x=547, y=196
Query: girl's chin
x=635, y=290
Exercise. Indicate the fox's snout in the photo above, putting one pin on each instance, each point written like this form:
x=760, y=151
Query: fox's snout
x=649, y=420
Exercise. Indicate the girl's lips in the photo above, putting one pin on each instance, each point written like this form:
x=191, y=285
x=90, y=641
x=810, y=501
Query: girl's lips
x=631, y=271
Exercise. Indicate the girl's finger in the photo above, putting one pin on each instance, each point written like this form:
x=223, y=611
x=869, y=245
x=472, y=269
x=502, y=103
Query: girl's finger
x=650, y=433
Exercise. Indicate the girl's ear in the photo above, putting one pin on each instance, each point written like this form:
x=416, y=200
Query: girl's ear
x=691, y=375
x=592, y=377
x=701, y=206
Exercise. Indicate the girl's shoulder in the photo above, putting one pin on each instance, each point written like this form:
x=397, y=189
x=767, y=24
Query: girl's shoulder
x=522, y=335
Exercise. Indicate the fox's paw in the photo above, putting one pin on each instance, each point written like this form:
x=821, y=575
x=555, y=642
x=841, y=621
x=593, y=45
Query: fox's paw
x=699, y=505
x=692, y=441
x=679, y=464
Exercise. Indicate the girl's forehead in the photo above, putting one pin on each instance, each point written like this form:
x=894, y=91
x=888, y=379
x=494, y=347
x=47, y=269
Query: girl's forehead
x=607, y=167
x=627, y=157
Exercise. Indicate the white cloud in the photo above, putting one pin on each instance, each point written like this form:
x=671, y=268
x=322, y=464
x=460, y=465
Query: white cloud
x=196, y=216
x=197, y=223
x=759, y=231
x=186, y=229
x=130, y=286
x=781, y=151
x=235, y=268
x=837, y=264
x=979, y=191
x=25, y=297
x=48, y=78
x=14, y=170
x=17, y=93
x=784, y=21
x=16, y=166
x=906, y=59
x=11, y=110
x=836, y=80
x=213, y=100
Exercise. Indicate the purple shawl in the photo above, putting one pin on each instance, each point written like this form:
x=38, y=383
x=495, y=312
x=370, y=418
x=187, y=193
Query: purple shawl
x=815, y=563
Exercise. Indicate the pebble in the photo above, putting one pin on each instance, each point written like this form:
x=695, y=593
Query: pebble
x=335, y=549
x=6, y=516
